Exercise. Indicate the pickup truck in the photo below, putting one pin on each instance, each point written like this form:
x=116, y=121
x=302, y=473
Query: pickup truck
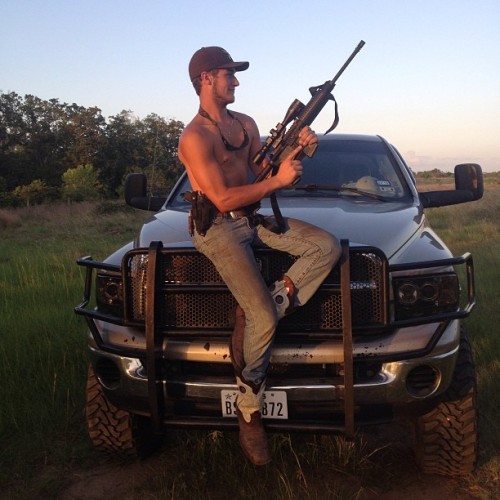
x=380, y=340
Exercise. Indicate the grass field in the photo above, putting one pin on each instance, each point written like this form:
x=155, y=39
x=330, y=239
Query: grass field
x=43, y=372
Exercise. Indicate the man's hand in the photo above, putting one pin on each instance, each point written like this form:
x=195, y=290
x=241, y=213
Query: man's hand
x=307, y=137
x=291, y=169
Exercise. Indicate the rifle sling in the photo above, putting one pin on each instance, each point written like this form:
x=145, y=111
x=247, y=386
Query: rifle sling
x=280, y=222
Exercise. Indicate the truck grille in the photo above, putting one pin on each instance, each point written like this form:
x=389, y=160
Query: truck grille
x=192, y=296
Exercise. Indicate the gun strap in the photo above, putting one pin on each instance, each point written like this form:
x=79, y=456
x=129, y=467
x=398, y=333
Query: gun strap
x=280, y=222
x=336, y=119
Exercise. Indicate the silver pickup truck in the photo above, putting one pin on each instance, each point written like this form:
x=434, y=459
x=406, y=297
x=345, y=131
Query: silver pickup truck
x=380, y=340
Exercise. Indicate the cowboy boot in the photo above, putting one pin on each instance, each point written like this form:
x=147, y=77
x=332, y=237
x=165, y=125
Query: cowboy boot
x=236, y=341
x=253, y=438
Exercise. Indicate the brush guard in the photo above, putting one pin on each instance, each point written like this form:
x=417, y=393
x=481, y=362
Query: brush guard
x=154, y=339
x=153, y=323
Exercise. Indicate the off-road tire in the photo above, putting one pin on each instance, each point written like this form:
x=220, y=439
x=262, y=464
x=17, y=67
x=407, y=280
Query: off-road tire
x=446, y=437
x=114, y=431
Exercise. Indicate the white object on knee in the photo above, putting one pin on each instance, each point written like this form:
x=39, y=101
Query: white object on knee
x=279, y=293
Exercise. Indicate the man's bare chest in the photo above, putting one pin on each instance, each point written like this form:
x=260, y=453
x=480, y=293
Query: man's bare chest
x=232, y=164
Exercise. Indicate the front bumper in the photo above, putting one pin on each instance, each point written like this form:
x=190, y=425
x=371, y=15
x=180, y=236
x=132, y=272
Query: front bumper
x=315, y=403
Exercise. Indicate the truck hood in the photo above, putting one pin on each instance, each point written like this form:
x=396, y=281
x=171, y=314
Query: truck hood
x=387, y=226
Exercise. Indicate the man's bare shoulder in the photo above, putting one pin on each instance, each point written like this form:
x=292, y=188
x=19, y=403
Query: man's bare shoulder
x=195, y=126
x=195, y=130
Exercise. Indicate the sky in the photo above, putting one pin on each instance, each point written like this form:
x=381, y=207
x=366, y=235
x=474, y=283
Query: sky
x=427, y=79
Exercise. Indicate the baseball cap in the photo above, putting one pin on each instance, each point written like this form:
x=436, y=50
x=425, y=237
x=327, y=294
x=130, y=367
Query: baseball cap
x=209, y=58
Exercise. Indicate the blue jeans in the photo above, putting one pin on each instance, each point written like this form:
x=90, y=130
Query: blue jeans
x=229, y=245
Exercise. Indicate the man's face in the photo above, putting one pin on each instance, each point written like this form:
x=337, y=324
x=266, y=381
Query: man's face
x=224, y=84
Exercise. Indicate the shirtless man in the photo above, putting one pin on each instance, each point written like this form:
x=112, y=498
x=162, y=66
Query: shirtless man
x=217, y=148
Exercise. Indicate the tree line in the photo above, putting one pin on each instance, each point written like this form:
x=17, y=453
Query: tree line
x=51, y=150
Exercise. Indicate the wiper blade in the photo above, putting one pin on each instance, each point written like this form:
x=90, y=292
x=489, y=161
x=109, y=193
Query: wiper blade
x=335, y=187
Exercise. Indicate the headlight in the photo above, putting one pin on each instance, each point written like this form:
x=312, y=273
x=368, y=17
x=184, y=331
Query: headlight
x=109, y=294
x=417, y=296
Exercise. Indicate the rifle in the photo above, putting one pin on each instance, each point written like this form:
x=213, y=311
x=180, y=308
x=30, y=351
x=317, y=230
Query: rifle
x=283, y=139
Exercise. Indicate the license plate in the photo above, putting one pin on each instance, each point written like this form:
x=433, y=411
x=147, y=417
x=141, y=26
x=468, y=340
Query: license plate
x=274, y=404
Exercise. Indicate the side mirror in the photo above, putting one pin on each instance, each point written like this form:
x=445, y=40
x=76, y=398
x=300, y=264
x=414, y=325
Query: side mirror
x=469, y=186
x=469, y=176
x=136, y=194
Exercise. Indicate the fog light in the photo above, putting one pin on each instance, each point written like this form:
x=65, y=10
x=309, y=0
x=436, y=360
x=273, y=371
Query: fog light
x=422, y=381
x=108, y=373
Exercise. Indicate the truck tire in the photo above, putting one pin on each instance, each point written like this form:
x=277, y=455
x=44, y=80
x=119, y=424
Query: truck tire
x=115, y=431
x=446, y=437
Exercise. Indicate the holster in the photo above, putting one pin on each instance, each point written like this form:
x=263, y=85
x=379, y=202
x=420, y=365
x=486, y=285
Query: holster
x=203, y=212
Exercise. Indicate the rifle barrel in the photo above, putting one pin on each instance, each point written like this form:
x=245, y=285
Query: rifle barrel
x=320, y=96
x=351, y=57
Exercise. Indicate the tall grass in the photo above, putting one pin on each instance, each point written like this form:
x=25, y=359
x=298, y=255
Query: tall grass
x=42, y=342
x=211, y=466
x=43, y=372
x=475, y=228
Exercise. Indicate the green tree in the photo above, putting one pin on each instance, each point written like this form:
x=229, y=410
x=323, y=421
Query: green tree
x=136, y=145
x=81, y=183
x=124, y=149
x=13, y=167
x=84, y=130
x=41, y=139
x=162, y=138
x=43, y=142
x=35, y=192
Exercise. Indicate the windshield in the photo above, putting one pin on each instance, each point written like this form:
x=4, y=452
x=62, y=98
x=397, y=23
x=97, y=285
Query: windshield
x=357, y=165
x=354, y=168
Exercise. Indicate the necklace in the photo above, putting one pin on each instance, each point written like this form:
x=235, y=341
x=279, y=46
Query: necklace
x=226, y=143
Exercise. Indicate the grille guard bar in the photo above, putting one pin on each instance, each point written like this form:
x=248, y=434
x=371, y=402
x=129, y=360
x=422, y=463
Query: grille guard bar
x=461, y=313
x=154, y=334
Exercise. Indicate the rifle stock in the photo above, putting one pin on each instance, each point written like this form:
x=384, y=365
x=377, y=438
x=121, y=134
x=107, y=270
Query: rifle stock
x=283, y=139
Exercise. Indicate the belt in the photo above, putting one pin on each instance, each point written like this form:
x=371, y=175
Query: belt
x=234, y=214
